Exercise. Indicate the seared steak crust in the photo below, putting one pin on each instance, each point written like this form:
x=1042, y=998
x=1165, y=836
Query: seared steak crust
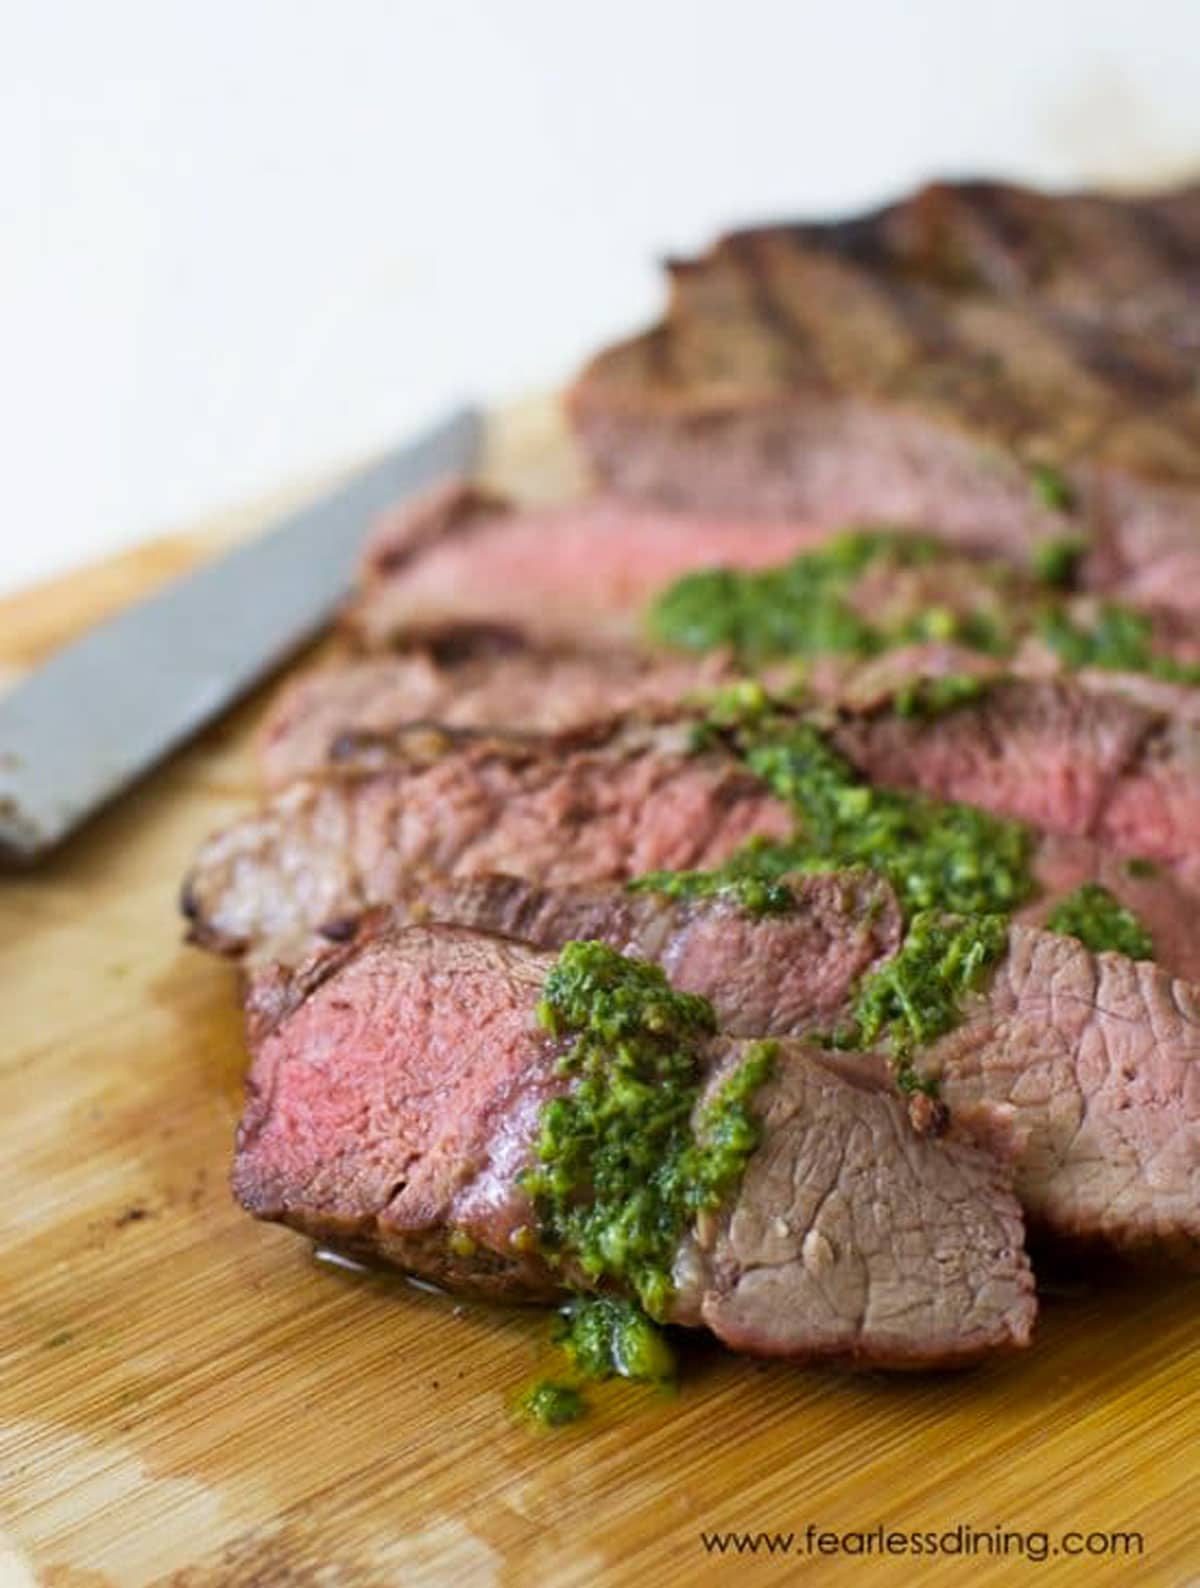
x=392, y=1105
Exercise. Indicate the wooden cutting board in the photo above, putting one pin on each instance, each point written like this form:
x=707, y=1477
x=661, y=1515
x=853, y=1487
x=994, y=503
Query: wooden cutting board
x=187, y=1398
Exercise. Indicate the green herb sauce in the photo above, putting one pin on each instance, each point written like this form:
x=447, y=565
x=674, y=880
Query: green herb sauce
x=933, y=695
x=1056, y=561
x=748, y=879
x=1101, y=922
x=619, y=1171
x=552, y=1405
x=1052, y=488
x=916, y=996
x=600, y=1338
x=1119, y=639
x=975, y=630
x=802, y=608
x=605, y=1337
x=799, y=608
x=937, y=854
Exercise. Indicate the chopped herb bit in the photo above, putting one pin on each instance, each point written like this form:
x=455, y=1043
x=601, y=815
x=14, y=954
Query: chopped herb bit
x=1101, y=922
x=1055, y=561
x=915, y=997
x=727, y=1131
x=931, y=696
x=604, y=1337
x=1120, y=639
x=552, y=1405
x=1139, y=867
x=732, y=706
x=619, y=1172
x=1052, y=488
x=976, y=630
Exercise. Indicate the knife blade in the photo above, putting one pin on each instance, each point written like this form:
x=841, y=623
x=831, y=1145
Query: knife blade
x=108, y=707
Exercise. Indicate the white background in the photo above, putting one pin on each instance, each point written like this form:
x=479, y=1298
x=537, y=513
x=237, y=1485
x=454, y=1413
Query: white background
x=244, y=239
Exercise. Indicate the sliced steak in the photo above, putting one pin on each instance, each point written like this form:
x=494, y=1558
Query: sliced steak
x=918, y=364
x=1095, y=1058
x=392, y=1108
x=785, y=972
x=1164, y=898
x=1100, y=1058
x=552, y=808
x=852, y=1237
x=790, y=973
x=572, y=811
x=330, y=712
x=580, y=576
x=551, y=574
x=1064, y=758
x=326, y=713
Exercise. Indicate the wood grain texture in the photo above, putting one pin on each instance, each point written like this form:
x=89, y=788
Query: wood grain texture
x=186, y=1398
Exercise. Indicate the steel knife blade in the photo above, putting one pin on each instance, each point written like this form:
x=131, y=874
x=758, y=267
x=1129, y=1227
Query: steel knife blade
x=106, y=708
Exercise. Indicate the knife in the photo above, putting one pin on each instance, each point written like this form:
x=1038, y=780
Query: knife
x=108, y=707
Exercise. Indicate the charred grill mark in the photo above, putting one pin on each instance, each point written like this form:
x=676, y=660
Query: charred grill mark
x=461, y=643
x=750, y=252
x=658, y=345
x=1119, y=330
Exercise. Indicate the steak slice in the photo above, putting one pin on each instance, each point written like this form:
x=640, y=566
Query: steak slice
x=1099, y=1056
x=781, y=973
x=626, y=799
x=326, y=713
x=1057, y=755
x=789, y=973
x=392, y=1105
x=1163, y=898
x=580, y=576
x=331, y=713
x=560, y=810
x=917, y=364
x=623, y=799
x=1095, y=1058
x=460, y=557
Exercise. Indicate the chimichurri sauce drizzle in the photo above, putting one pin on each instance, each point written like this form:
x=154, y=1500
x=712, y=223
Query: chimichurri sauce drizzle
x=628, y=1156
